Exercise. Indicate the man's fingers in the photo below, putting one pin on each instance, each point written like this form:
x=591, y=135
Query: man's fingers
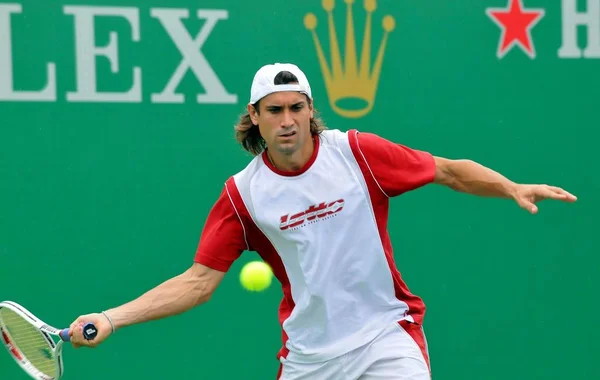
x=529, y=206
x=533, y=194
x=547, y=192
x=551, y=194
x=77, y=322
x=77, y=338
x=569, y=196
x=76, y=330
x=72, y=327
x=561, y=195
x=532, y=209
x=75, y=334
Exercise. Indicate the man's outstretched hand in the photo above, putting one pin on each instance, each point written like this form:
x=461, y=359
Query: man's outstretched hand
x=528, y=195
x=76, y=330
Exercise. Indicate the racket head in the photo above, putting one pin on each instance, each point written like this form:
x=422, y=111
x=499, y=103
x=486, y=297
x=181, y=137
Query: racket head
x=32, y=348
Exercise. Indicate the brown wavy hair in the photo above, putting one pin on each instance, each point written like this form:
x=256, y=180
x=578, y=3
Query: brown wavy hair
x=248, y=134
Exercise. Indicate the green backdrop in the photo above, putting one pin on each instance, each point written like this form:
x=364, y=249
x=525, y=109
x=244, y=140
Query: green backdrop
x=102, y=199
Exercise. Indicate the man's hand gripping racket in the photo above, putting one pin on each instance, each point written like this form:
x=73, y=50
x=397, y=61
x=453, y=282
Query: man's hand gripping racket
x=29, y=340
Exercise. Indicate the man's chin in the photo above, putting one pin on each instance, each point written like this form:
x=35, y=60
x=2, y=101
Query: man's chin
x=287, y=149
x=287, y=146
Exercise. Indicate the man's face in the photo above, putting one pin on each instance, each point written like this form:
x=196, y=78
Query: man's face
x=284, y=121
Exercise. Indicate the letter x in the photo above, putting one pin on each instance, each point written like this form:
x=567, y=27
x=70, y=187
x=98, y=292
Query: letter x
x=192, y=55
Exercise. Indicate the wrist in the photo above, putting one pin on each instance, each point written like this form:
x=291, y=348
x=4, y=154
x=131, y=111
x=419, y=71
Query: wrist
x=110, y=320
x=512, y=190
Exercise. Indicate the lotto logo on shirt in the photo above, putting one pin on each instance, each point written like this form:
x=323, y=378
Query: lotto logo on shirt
x=312, y=214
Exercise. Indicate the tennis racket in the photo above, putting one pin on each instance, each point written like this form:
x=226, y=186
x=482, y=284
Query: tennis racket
x=29, y=341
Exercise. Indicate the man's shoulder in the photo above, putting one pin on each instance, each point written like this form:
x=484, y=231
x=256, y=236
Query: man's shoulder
x=335, y=133
x=249, y=170
x=348, y=141
x=335, y=137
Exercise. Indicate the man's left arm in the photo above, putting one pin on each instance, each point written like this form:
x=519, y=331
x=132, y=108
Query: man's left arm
x=470, y=177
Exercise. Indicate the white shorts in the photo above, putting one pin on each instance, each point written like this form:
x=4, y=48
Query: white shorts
x=398, y=353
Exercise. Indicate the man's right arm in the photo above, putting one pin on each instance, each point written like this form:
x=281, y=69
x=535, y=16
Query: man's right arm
x=174, y=296
x=221, y=243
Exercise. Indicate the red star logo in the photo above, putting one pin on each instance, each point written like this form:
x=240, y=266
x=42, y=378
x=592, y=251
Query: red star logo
x=516, y=24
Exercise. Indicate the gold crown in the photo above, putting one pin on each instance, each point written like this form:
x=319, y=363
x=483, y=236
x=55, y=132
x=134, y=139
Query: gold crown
x=354, y=80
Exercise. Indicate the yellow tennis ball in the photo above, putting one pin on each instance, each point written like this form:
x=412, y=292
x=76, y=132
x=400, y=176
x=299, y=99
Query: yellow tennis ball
x=256, y=276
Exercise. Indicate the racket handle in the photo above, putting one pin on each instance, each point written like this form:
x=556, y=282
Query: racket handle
x=64, y=335
x=89, y=332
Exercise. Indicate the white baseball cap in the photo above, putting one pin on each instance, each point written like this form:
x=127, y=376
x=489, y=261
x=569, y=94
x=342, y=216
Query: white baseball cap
x=263, y=83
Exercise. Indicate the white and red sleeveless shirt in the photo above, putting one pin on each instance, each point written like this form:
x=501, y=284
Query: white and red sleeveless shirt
x=323, y=230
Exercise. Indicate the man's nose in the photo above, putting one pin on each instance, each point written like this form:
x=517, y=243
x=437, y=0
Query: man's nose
x=287, y=119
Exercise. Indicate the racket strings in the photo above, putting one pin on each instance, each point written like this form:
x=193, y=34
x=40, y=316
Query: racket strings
x=29, y=341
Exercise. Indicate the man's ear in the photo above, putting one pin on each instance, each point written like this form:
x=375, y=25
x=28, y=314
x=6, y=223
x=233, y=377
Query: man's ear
x=253, y=112
x=311, y=108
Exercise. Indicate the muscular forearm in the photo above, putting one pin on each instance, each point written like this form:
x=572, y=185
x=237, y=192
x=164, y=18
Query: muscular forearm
x=172, y=297
x=470, y=177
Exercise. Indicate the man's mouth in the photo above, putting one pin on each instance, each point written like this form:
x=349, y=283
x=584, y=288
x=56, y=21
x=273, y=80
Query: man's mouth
x=289, y=134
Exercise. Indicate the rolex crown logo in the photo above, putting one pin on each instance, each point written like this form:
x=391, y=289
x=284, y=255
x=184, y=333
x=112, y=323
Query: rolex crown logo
x=351, y=81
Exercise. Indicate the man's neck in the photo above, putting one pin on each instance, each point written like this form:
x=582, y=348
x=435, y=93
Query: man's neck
x=293, y=162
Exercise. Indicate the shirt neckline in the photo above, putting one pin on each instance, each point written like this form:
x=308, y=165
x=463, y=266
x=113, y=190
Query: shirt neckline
x=302, y=170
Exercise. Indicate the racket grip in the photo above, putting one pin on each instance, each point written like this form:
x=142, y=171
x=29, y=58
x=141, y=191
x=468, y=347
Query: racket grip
x=64, y=335
x=89, y=332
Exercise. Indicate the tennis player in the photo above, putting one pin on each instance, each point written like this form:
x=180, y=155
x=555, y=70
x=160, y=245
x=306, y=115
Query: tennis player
x=313, y=203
